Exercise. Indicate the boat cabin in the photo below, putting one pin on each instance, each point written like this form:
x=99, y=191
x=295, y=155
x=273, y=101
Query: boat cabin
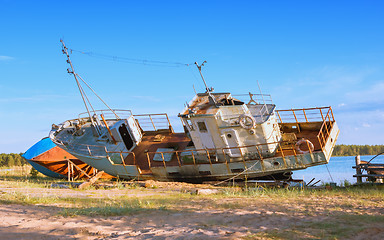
x=218, y=120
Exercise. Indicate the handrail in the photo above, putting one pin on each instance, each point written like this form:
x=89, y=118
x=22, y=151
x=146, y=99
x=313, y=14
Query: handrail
x=255, y=98
x=147, y=122
x=108, y=112
x=303, y=115
x=121, y=152
x=205, y=155
x=91, y=150
x=156, y=121
x=324, y=126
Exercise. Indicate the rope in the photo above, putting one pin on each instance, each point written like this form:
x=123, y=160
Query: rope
x=133, y=60
x=232, y=178
x=329, y=173
x=375, y=157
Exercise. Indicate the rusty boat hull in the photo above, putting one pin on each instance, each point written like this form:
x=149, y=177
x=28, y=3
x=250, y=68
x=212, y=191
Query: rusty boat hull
x=53, y=161
x=167, y=156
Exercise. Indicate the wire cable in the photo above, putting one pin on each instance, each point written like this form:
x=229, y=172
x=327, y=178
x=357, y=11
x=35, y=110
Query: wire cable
x=133, y=60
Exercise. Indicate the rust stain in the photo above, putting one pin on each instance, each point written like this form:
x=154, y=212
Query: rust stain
x=55, y=160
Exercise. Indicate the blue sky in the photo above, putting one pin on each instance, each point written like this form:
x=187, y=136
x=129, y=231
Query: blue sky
x=303, y=53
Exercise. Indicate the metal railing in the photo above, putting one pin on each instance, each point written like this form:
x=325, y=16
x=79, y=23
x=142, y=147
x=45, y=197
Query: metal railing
x=326, y=127
x=254, y=98
x=222, y=155
x=195, y=157
x=122, y=157
x=108, y=114
x=319, y=114
x=153, y=122
x=147, y=122
x=101, y=152
x=304, y=115
x=90, y=150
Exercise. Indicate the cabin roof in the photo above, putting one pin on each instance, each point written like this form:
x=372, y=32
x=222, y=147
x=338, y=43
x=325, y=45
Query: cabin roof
x=200, y=104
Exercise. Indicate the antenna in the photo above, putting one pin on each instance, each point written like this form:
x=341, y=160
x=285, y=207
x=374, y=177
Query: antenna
x=199, y=67
x=208, y=90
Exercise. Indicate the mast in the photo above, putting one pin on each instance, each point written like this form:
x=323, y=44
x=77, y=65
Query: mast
x=82, y=93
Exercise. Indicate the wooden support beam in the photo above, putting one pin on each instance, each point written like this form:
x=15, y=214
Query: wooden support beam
x=91, y=181
x=78, y=168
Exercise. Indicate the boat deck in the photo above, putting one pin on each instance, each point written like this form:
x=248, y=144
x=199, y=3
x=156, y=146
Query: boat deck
x=152, y=141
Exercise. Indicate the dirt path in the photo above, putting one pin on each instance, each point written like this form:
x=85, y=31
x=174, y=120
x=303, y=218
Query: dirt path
x=37, y=222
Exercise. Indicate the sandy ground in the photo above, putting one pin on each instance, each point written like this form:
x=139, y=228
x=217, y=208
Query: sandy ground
x=44, y=222
x=34, y=222
x=37, y=222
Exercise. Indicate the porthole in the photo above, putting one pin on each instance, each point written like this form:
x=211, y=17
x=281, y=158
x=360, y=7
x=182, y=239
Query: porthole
x=276, y=163
x=229, y=135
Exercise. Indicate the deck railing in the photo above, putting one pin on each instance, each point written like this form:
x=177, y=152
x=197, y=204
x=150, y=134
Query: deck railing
x=90, y=150
x=222, y=155
x=108, y=114
x=147, y=122
x=319, y=114
x=153, y=122
x=326, y=127
x=254, y=98
x=304, y=115
x=194, y=157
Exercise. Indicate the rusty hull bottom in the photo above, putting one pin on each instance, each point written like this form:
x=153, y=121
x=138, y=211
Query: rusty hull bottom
x=56, y=160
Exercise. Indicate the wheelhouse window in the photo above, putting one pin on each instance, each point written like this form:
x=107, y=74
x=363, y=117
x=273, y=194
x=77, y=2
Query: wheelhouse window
x=202, y=127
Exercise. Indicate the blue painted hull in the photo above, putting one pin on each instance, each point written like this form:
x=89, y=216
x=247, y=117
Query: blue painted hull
x=37, y=149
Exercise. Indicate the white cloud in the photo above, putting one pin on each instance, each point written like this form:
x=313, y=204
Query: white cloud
x=6, y=58
x=367, y=125
x=341, y=105
x=373, y=94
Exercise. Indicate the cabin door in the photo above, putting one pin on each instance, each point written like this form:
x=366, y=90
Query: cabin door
x=205, y=135
x=125, y=136
x=231, y=140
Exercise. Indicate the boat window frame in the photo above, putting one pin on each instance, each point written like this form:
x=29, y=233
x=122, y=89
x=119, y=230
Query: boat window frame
x=202, y=126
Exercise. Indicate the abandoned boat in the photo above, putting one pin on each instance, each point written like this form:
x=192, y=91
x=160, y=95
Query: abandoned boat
x=225, y=137
x=55, y=162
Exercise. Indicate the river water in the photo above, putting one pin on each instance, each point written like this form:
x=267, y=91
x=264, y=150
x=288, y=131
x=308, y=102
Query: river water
x=340, y=169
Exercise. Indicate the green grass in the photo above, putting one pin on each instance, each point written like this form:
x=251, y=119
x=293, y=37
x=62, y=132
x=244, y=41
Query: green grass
x=338, y=213
x=339, y=226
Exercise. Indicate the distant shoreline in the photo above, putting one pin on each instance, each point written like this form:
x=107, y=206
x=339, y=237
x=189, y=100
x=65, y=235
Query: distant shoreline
x=353, y=150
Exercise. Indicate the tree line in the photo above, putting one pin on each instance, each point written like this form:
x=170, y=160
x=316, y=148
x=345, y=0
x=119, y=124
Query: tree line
x=353, y=150
x=11, y=159
x=15, y=159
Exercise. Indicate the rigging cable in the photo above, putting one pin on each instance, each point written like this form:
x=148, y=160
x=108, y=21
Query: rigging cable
x=133, y=60
x=98, y=97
